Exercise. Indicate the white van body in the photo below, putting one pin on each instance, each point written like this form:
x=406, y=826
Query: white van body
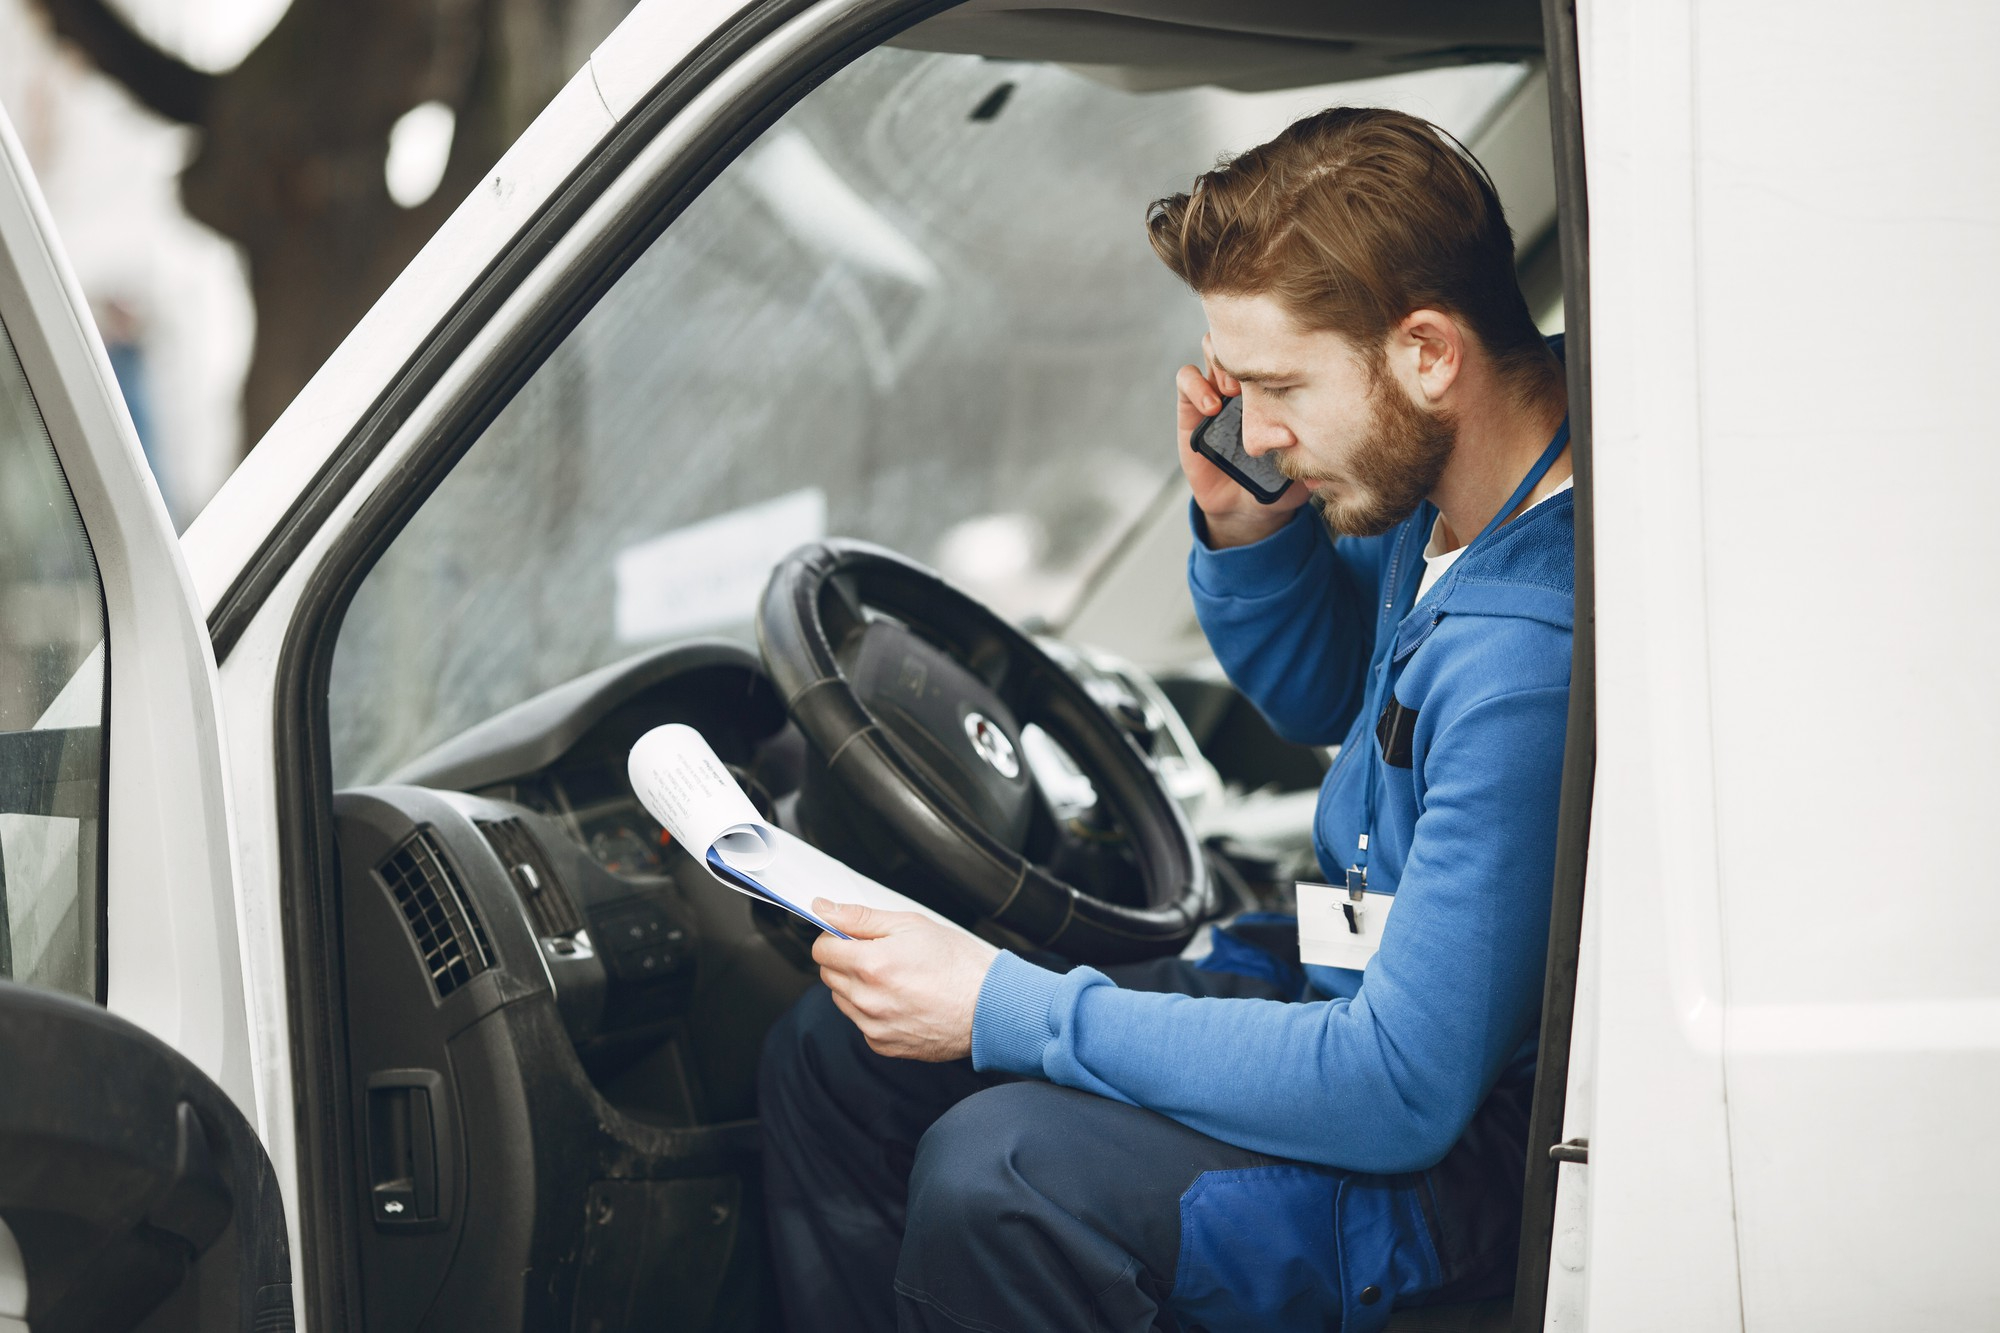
x=1786, y=1054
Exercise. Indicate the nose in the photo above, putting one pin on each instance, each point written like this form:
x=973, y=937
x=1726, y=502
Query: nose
x=1262, y=433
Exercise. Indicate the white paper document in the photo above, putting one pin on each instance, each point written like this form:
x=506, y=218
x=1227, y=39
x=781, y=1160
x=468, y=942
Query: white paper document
x=677, y=777
x=1327, y=935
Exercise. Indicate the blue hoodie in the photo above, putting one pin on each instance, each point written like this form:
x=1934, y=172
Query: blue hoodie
x=1384, y=1074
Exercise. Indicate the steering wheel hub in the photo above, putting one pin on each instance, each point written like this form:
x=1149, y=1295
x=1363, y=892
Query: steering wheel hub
x=990, y=743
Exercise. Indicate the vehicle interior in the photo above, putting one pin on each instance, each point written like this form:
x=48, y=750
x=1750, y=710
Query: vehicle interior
x=866, y=431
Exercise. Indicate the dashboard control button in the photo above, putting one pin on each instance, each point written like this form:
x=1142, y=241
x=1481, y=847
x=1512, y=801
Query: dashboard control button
x=640, y=942
x=395, y=1201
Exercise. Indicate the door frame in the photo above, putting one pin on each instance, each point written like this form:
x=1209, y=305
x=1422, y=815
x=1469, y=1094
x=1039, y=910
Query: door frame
x=136, y=1147
x=1546, y=1151
x=169, y=948
x=282, y=614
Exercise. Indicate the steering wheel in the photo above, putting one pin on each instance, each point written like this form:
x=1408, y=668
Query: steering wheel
x=915, y=696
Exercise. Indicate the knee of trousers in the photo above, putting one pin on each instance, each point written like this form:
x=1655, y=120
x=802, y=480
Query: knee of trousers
x=976, y=1166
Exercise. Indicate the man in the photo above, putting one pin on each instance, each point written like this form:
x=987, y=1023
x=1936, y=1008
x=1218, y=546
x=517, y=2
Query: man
x=1237, y=1143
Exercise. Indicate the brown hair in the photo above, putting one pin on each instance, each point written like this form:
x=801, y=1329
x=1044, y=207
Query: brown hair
x=1353, y=218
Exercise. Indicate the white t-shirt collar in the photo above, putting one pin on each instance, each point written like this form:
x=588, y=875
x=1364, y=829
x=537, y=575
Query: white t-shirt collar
x=1437, y=561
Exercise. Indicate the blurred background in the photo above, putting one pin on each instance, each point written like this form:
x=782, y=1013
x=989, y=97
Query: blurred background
x=236, y=181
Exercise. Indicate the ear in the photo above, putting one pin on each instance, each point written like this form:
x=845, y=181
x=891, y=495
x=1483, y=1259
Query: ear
x=1430, y=347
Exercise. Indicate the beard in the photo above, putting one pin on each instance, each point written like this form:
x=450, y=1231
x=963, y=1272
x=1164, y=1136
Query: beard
x=1399, y=464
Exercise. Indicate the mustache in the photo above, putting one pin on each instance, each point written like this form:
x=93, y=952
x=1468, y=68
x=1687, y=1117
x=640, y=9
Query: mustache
x=1296, y=468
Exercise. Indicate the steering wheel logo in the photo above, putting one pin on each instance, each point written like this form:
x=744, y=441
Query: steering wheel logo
x=991, y=744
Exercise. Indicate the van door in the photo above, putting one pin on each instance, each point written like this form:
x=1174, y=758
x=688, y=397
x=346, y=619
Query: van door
x=133, y=1186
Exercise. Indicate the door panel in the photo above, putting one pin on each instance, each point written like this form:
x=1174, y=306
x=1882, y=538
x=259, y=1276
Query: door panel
x=135, y=1191
x=171, y=962
x=337, y=466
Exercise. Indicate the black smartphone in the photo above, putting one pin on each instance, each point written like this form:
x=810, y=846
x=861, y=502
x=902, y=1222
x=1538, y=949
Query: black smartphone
x=1219, y=439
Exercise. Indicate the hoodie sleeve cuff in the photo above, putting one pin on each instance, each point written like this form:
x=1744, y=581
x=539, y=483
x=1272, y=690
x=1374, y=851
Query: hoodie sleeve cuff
x=1011, y=1025
x=1256, y=569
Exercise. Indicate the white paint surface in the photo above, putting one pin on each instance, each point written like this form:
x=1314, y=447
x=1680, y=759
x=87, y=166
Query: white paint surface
x=1854, y=708
x=1661, y=1250
x=1797, y=1055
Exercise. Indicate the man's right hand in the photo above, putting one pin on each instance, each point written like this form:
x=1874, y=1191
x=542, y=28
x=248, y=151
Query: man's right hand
x=1234, y=518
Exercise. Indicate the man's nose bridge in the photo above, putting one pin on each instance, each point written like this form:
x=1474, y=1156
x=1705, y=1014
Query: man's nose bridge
x=1260, y=433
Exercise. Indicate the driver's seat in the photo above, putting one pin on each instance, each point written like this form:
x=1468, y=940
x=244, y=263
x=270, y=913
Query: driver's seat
x=1494, y=1316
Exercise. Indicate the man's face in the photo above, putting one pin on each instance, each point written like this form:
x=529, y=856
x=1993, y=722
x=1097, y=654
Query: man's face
x=1333, y=417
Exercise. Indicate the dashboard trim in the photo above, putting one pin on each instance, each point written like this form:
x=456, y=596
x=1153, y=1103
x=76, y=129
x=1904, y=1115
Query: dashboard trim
x=536, y=733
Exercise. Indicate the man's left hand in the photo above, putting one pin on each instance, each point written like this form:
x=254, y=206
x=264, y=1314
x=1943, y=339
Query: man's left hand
x=908, y=983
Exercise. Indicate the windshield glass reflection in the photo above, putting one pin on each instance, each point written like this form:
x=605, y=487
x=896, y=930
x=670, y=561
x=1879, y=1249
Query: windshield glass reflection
x=919, y=310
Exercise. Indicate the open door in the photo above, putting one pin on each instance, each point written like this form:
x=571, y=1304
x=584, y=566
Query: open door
x=134, y=1190
x=136, y=1194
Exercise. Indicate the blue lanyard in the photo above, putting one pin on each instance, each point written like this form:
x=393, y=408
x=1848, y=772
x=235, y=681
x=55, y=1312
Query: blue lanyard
x=1357, y=873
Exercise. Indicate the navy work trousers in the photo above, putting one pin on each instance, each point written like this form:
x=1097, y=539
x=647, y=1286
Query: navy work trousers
x=930, y=1196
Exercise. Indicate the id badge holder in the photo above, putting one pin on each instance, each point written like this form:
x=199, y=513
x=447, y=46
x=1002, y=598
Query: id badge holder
x=1336, y=930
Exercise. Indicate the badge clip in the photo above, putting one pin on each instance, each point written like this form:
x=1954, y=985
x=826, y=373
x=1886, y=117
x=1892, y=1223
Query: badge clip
x=1357, y=888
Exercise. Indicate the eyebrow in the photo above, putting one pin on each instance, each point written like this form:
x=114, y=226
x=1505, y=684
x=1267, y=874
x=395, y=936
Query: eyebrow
x=1254, y=376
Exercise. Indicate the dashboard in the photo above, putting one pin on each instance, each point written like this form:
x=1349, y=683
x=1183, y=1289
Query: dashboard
x=594, y=875
x=548, y=1005
x=563, y=754
x=528, y=825
x=542, y=993
x=592, y=802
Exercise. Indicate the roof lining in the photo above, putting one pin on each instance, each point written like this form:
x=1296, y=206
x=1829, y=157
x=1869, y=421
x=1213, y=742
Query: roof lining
x=1248, y=45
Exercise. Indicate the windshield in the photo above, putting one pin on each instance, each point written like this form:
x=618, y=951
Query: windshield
x=919, y=310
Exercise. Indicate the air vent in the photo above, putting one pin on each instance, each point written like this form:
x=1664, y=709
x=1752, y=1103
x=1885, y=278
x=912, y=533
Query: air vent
x=448, y=934
x=548, y=902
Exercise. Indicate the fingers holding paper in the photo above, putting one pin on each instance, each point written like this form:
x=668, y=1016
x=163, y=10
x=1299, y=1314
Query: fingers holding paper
x=909, y=983
x=909, y=979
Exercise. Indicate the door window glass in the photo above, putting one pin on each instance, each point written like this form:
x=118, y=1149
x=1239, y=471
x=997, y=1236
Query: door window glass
x=52, y=709
x=920, y=310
